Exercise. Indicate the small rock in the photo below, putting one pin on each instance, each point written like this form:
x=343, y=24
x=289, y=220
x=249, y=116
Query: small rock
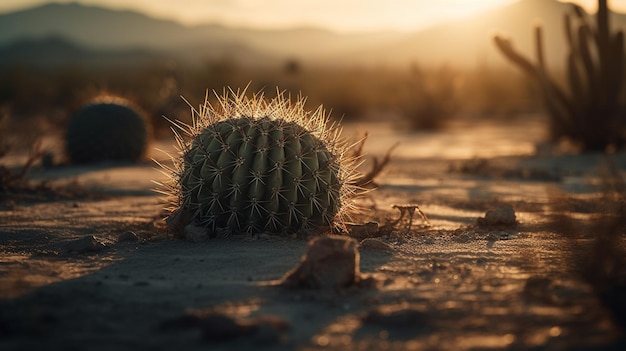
x=330, y=262
x=500, y=235
x=491, y=236
x=128, y=237
x=375, y=244
x=462, y=238
x=500, y=216
x=367, y=230
x=86, y=244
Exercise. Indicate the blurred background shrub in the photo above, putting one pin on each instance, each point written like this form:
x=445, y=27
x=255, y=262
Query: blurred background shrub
x=417, y=96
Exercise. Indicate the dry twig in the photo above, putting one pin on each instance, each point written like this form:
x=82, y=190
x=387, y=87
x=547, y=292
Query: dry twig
x=367, y=180
x=407, y=211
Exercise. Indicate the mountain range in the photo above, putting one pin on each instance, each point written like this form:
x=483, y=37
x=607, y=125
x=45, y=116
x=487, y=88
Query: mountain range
x=60, y=33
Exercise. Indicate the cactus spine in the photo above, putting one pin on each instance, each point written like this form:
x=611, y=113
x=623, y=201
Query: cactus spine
x=107, y=128
x=593, y=113
x=255, y=166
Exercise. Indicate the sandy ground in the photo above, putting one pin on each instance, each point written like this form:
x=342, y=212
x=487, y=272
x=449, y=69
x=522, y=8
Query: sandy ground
x=447, y=285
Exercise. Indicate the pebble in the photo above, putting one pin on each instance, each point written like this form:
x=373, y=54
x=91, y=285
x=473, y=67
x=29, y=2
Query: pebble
x=86, y=244
x=500, y=216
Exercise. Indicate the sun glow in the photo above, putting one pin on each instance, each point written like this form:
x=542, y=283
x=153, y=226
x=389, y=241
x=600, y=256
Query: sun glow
x=343, y=16
x=469, y=7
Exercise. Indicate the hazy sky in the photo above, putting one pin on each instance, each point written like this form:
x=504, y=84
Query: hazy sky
x=341, y=15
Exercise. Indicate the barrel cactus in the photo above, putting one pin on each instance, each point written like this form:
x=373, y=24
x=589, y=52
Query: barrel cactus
x=107, y=128
x=257, y=166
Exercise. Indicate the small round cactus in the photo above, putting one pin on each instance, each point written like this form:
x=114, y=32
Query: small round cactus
x=107, y=128
x=257, y=166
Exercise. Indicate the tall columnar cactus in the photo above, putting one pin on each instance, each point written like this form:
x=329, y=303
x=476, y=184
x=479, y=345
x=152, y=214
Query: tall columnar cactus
x=593, y=111
x=256, y=166
x=107, y=128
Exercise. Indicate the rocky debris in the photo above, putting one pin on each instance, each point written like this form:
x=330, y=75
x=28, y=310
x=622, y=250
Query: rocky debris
x=500, y=216
x=362, y=231
x=331, y=262
x=87, y=244
x=375, y=244
x=128, y=237
x=263, y=329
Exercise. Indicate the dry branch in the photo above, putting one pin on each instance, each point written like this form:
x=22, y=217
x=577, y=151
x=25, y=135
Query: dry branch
x=367, y=180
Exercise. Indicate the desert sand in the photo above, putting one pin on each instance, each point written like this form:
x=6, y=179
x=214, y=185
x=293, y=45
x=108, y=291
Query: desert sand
x=100, y=272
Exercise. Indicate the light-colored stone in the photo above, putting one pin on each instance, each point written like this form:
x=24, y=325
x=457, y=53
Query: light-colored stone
x=331, y=262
